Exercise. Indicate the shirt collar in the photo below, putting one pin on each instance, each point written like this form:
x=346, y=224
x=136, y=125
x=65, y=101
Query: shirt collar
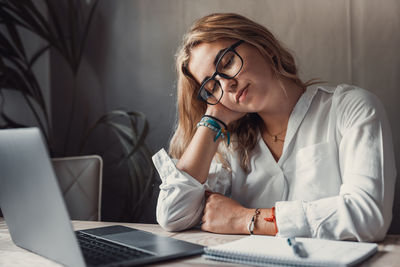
x=296, y=117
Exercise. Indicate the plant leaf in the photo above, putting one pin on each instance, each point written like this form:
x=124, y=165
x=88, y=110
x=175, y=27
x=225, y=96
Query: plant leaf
x=10, y=123
x=17, y=13
x=7, y=48
x=37, y=55
x=11, y=79
x=137, y=156
x=12, y=31
x=63, y=47
x=86, y=31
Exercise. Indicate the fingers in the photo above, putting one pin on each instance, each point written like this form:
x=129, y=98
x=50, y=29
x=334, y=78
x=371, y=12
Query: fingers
x=205, y=223
x=204, y=227
x=223, y=113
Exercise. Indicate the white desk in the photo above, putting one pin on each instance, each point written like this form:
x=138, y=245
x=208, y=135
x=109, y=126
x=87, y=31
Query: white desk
x=12, y=255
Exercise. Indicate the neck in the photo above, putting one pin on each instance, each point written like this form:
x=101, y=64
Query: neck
x=276, y=118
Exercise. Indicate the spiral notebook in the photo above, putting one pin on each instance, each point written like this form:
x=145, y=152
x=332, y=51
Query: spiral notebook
x=264, y=250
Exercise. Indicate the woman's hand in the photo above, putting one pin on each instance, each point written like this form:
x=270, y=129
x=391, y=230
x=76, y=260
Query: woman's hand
x=223, y=113
x=224, y=215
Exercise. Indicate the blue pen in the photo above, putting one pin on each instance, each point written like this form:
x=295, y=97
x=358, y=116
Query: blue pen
x=297, y=248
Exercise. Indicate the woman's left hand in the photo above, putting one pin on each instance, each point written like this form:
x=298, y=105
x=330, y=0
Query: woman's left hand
x=224, y=215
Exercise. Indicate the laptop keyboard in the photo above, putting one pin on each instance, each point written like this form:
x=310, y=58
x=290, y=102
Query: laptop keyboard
x=97, y=251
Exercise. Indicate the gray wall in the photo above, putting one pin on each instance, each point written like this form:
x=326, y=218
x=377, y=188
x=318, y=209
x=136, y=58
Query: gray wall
x=129, y=61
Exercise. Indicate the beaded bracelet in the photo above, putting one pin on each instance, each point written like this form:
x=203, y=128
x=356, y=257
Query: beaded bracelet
x=250, y=226
x=211, y=122
x=212, y=127
x=216, y=119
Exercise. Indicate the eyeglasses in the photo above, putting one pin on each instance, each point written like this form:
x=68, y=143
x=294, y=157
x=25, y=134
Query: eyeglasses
x=229, y=65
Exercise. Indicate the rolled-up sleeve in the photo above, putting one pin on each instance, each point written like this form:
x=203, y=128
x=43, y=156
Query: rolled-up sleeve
x=181, y=200
x=363, y=208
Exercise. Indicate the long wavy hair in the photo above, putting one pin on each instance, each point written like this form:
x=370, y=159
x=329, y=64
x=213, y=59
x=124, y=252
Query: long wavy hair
x=245, y=130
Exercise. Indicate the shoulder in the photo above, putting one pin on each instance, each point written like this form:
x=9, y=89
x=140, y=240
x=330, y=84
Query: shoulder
x=353, y=104
x=348, y=98
x=346, y=94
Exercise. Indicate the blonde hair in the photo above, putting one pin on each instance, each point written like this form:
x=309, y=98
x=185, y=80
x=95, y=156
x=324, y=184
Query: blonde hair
x=209, y=29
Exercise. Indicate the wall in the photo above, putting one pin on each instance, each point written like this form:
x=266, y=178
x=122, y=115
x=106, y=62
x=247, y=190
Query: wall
x=129, y=62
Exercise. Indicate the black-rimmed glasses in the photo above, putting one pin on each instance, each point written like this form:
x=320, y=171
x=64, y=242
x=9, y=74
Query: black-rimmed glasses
x=228, y=66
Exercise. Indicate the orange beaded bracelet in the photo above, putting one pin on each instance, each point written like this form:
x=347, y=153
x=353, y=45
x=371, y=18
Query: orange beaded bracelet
x=272, y=218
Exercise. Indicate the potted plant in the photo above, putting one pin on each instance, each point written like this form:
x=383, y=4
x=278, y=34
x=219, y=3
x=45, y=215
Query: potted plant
x=68, y=38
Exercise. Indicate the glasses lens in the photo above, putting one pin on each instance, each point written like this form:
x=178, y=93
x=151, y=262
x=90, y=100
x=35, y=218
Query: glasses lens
x=230, y=64
x=211, y=92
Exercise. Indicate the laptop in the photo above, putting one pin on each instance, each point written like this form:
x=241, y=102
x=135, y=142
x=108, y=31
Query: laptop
x=37, y=218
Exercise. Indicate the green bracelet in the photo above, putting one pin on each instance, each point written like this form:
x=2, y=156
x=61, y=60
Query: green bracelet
x=213, y=125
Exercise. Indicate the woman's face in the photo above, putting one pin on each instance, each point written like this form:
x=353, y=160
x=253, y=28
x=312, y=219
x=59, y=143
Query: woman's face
x=254, y=89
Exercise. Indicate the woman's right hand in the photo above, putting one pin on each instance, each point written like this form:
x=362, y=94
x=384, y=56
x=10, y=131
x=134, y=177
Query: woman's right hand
x=223, y=113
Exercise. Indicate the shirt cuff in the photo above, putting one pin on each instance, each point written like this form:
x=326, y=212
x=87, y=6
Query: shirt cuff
x=168, y=172
x=291, y=219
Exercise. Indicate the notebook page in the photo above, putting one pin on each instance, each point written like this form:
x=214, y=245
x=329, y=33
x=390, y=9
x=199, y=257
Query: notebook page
x=318, y=250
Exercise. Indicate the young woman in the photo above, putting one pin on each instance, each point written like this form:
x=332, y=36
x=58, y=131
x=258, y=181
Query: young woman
x=258, y=151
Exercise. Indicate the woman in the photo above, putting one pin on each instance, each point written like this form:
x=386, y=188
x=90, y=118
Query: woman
x=258, y=151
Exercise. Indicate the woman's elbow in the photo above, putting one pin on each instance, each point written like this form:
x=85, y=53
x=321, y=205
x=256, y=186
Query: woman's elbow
x=171, y=226
x=174, y=225
x=377, y=229
x=379, y=233
x=175, y=220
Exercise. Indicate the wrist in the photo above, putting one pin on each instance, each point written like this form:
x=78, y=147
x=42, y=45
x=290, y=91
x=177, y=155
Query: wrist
x=222, y=121
x=216, y=125
x=266, y=223
x=247, y=217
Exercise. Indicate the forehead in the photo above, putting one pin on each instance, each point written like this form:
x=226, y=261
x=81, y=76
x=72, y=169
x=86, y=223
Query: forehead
x=202, y=56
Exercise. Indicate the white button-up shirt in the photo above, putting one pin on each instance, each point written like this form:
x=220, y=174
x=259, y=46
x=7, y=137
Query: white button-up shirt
x=335, y=178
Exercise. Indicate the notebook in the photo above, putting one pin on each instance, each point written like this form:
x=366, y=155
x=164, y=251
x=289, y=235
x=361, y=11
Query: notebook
x=264, y=250
x=37, y=218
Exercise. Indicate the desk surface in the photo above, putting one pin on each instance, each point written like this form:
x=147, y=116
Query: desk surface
x=11, y=255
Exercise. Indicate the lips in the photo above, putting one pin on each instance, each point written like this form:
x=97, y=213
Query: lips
x=239, y=94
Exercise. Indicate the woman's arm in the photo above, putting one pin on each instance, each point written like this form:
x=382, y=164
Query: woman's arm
x=199, y=154
x=196, y=160
x=181, y=199
x=363, y=208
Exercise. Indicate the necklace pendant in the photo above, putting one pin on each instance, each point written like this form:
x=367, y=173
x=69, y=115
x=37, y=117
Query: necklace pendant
x=275, y=138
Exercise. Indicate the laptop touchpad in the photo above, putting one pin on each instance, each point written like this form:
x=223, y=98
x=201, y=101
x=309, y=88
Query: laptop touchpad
x=135, y=238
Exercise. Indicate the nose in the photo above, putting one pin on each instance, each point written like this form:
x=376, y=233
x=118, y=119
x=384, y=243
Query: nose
x=228, y=85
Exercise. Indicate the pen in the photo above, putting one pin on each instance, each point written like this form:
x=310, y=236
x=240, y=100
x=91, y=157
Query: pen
x=297, y=248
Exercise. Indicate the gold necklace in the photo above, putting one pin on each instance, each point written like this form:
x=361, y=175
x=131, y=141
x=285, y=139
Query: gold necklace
x=275, y=136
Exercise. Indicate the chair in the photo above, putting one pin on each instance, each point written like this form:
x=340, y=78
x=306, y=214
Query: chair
x=80, y=180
